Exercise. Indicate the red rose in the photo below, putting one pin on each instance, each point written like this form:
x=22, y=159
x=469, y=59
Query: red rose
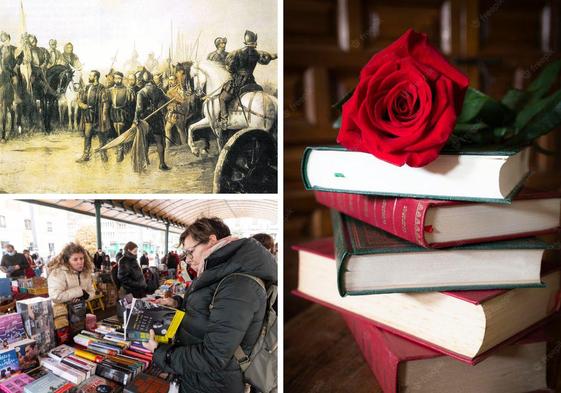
x=405, y=105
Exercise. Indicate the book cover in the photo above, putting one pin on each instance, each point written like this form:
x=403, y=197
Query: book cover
x=355, y=237
x=11, y=329
x=15, y=384
x=385, y=352
x=28, y=354
x=97, y=384
x=49, y=383
x=325, y=248
x=345, y=170
x=113, y=373
x=67, y=372
x=405, y=217
x=147, y=383
x=37, y=315
x=61, y=352
x=145, y=316
x=9, y=363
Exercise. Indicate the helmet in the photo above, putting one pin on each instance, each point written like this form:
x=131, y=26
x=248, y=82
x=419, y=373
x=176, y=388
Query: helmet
x=219, y=40
x=118, y=73
x=68, y=47
x=4, y=36
x=145, y=76
x=250, y=38
x=52, y=42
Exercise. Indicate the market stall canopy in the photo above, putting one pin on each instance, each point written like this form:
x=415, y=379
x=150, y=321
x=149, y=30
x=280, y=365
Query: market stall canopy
x=156, y=213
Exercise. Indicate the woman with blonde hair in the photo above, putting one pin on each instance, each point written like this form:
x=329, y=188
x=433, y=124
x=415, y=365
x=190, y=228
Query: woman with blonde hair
x=70, y=278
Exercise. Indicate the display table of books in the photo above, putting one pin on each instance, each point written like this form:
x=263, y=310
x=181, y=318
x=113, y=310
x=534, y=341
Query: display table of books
x=107, y=356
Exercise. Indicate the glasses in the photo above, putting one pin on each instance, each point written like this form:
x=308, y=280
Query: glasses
x=189, y=251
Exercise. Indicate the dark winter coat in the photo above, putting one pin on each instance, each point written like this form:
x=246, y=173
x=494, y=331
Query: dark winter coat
x=203, y=355
x=130, y=276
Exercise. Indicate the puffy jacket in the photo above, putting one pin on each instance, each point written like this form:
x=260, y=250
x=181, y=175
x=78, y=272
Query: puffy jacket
x=130, y=276
x=203, y=354
x=65, y=285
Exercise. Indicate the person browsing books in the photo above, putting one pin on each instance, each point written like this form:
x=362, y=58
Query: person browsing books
x=202, y=356
x=70, y=278
x=130, y=274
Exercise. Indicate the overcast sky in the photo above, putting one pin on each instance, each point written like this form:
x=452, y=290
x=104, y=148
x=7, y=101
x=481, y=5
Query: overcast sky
x=100, y=28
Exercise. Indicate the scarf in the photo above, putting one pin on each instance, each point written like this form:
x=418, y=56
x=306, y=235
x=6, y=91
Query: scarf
x=221, y=243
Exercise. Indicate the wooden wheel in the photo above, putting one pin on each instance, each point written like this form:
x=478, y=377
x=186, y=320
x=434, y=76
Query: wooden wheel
x=247, y=164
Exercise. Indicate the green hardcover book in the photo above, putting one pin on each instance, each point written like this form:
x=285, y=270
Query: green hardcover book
x=476, y=175
x=371, y=261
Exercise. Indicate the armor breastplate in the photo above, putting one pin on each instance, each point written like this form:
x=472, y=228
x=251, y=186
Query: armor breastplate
x=248, y=61
x=36, y=57
x=118, y=97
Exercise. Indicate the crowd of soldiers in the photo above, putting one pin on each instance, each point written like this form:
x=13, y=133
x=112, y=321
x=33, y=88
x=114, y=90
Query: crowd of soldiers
x=111, y=108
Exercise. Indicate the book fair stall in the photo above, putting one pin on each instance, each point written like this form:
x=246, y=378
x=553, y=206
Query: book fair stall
x=97, y=342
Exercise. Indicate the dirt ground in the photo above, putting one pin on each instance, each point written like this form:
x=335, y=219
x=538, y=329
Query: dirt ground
x=40, y=163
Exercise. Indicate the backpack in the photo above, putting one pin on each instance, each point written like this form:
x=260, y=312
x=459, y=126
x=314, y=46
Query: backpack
x=259, y=368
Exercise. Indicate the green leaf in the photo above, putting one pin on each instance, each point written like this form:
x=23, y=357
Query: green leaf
x=514, y=99
x=339, y=104
x=469, y=127
x=541, y=85
x=531, y=110
x=548, y=119
x=479, y=107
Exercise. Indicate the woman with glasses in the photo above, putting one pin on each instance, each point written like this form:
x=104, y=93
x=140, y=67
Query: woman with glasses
x=202, y=355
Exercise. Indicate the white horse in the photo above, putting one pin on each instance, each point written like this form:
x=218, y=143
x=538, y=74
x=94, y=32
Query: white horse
x=257, y=109
x=69, y=101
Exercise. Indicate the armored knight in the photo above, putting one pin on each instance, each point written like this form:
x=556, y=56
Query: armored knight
x=70, y=58
x=148, y=100
x=7, y=54
x=94, y=103
x=241, y=63
x=178, y=110
x=122, y=107
x=220, y=54
x=55, y=56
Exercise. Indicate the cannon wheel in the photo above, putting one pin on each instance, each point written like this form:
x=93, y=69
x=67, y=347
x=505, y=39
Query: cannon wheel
x=247, y=164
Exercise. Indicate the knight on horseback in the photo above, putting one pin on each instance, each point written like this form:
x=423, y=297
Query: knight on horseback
x=35, y=61
x=241, y=63
x=55, y=56
x=220, y=54
x=8, y=74
x=70, y=58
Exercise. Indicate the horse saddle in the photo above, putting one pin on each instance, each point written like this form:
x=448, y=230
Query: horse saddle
x=250, y=87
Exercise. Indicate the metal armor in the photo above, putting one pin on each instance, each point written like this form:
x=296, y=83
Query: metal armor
x=122, y=99
x=148, y=99
x=219, y=57
x=95, y=97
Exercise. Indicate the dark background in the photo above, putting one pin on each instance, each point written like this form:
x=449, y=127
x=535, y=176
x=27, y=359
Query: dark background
x=497, y=44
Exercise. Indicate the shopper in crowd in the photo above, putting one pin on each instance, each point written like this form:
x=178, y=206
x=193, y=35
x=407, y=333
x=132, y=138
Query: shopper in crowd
x=70, y=278
x=106, y=265
x=98, y=258
x=144, y=261
x=38, y=264
x=30, y=270
x=266, y=241
x=203, y=353
x=114, y=273
x=172, y=262
x=130, y=274
x=13, y=263
x=119, y=255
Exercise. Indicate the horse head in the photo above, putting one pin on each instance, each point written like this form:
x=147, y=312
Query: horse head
x=199, y=78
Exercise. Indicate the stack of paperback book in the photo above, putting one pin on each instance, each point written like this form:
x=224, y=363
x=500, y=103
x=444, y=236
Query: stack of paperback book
x=439, y=260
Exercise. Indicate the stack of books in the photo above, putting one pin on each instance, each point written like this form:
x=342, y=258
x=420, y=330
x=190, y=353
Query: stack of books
x=439, y=264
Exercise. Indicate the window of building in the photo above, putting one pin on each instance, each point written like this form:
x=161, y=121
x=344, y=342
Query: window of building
x=49, y=226
x=27, y=224
x=2, y=222
x=51, y=247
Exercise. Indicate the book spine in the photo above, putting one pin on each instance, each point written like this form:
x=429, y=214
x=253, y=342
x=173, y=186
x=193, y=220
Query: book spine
x=380, y=359
x=88, y=356
x=342, y=249
x=402, y=217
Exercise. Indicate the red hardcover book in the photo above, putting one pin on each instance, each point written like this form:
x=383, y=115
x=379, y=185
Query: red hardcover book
x=436, y=223
x=401, y=365
x=495, y=314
